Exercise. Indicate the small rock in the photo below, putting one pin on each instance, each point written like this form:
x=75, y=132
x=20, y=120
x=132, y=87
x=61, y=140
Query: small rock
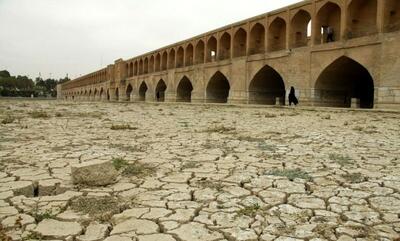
x=94, y=173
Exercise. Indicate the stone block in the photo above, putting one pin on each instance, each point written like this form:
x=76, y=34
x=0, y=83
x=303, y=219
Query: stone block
x=94, y=173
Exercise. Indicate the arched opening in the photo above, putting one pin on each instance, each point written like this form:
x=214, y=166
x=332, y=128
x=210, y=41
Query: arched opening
x=135, y=69
x=160, y=90
x=116, y=94
x=184, y=90
x=266, y=86
x=131, y=69
x=199, y=53
x=239, y=43
x=257, y=39
x=342, y=81
x=189, y=55
x=141, y=67
x=217, y=89
x=95, y=94
x=146, y=66
x=179, y=58
x=171, y=59
x=328, y=16
x=225, y=46
x=299, y=29
x=142, y=91
x=211, y=49
x=101, y=93
x=164, y=61
x=157, y=63
x=361, y=19
x=392, y=15
x=151, y=65
x=108, y=94
x=277, y=35
x=129, y=92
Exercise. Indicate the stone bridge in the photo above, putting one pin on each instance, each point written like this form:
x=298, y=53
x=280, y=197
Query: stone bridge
x=258, y=60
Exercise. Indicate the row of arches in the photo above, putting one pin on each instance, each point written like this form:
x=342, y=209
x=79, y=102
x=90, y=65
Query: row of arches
x=362, y=16
x=338, y=84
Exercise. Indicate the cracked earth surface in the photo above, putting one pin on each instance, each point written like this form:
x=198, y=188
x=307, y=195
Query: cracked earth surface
x=220, y=173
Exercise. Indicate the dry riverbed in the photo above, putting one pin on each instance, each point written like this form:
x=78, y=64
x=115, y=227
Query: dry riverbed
x=198, y=172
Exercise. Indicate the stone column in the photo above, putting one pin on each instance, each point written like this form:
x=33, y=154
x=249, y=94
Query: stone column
x=170, y=96
x=198, y=97
x=237, y=97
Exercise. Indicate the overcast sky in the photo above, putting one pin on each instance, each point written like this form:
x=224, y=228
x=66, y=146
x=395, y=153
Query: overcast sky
x=56, y=37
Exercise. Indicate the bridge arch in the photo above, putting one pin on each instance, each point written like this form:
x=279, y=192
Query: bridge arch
x=239, y=43
x=180, y=57
x=184, y=90
x=266, y=86
x=101, y=93
x=131, y=69
x=157, y=63
x=128, y=92
x=160, y=90
x=199, y=52
x=164, y=61
x=142, y=91
x=141, y=67
x=362, y=15
x=328, y=15
x=189, y=55
x=171, y=59
x=277, y=35
x=218, y=88
x=146, y=66
x=225, y=46
x=151, y=64
x=211, y=49
x=299, y=29
x=135, y=69
x=392, y=15
x=117, y=94
x=343, y=80
x=257, y=39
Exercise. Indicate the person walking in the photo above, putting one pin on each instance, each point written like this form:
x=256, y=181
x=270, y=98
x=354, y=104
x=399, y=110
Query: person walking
x=330, y=32
x=292, y=97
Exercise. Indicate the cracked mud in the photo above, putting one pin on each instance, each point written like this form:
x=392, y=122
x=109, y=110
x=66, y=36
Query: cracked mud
x=197, y=172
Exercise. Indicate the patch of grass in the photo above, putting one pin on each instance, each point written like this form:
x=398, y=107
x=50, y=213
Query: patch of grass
x=39, y=114
x=266, y=147
x=220, y=129
x=211, y=184
x=291, y=174
x=138, y=169
x=100, y=208
x=190, y=164
x=40, y=216
x=135, y=148
x=250, y=211
x=32, y=236
x=251, y=139
x=119, y=163
x=269, y=115
x=354, y=177
x=342, y=160
x=8, y=120
x=122, y=127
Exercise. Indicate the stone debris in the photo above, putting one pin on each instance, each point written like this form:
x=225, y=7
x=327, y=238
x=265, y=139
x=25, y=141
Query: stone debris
x=230, y=174
x=94, y=173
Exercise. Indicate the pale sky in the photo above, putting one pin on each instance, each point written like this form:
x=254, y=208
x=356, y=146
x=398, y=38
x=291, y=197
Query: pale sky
x=56, y=37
